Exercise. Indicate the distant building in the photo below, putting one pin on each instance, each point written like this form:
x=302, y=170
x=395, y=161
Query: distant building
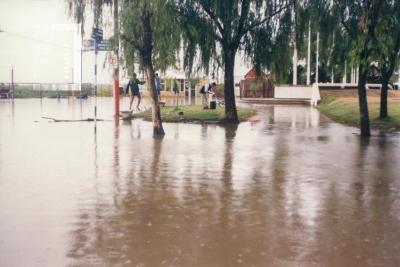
x=256, y=85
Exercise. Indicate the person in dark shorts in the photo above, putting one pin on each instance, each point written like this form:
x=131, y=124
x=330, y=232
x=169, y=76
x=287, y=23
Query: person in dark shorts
x=134, y=85
x=157, y=82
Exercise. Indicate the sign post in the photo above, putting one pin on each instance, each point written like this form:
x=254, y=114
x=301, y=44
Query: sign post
x=97, y=35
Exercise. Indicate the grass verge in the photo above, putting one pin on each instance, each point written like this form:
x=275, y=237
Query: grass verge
x=344, y=108
x=195, y=114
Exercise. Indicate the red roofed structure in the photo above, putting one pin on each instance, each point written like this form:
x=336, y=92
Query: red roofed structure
x=252, y=74
x=256, y=85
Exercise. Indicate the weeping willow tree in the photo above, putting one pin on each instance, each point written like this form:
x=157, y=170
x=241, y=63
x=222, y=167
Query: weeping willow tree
x=224, y=27
x=388, y=35
x=77, y=10
x=359, y=19
x=284, y=41
x=149, y=33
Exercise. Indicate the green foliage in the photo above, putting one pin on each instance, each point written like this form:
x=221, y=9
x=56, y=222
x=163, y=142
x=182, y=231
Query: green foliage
x=165, y=35
x=77, y=10
x=231, y=24
x=388, y=37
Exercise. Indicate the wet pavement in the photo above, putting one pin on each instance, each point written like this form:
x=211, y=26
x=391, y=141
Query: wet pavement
x=289, y=188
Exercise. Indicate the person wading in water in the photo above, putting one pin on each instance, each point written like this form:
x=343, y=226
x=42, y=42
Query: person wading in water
x=134, y=85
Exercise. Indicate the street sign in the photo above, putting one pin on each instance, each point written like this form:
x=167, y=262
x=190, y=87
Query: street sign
x=113, y=60
x=103, y=45
x=97, y=34
x=88, y=45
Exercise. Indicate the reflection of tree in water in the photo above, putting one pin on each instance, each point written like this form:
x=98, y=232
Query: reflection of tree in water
x=152, y=225
x=355, y=228
x=193, y=213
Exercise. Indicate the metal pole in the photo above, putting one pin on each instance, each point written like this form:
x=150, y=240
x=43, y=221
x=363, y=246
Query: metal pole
x=81, y=74
x=309, y=54
x=317, y=61
x=116, y=69
x=295, y=64
x=294, y=58
x=398, y=75
x=345, y=74
x=190, y=92
x=12, y=82
x=95, y=85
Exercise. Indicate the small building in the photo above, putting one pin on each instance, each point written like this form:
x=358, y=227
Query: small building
x=256, y=85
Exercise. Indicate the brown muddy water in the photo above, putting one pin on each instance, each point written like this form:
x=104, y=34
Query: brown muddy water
x=290, y=188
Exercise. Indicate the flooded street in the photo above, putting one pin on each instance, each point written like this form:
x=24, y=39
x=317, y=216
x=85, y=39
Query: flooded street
x=290, y=188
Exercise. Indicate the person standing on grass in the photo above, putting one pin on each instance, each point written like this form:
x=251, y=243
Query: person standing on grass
x=203, y=96
x=206, y=91
x=157, y=81
x=134, y=85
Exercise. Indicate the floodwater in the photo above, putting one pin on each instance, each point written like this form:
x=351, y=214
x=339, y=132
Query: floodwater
x=290, y=188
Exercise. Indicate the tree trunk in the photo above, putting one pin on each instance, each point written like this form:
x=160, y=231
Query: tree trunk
x=384, y=95
x=387, y=72
x=362, y=100
x=229, y=87
x=158, y=130
x=146, y=53
x=371, y=16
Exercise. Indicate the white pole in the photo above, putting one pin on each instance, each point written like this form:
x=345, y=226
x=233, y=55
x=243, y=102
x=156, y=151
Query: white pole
x=332, y=72
x=95, y=85
x=295, y=63
x=351, y=75
x=317, y=65
x=357, y=74
x=309, y=54
x=398, y=77
x=345, y=73
x=294, y=59
x=190, y=92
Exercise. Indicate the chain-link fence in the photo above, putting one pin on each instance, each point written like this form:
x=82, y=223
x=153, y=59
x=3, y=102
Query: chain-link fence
x=52, y=90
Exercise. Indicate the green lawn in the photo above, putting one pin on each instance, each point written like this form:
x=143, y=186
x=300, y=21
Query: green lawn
x=195, y=114
x=346, y=110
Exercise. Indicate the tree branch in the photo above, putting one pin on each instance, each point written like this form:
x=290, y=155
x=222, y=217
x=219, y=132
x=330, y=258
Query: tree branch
x=214, y=18
x=243, y=15
x=394, y=53
x=266, y=19
x=133, y=42
x=346, y=27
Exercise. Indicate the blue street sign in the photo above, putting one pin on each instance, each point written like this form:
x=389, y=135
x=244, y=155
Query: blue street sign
x=103, y=45
x=97, y=34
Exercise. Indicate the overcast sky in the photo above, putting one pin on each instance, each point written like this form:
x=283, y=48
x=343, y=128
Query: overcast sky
x=40, y=42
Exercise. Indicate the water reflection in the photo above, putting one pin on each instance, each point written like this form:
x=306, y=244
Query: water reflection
x=290, y=189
